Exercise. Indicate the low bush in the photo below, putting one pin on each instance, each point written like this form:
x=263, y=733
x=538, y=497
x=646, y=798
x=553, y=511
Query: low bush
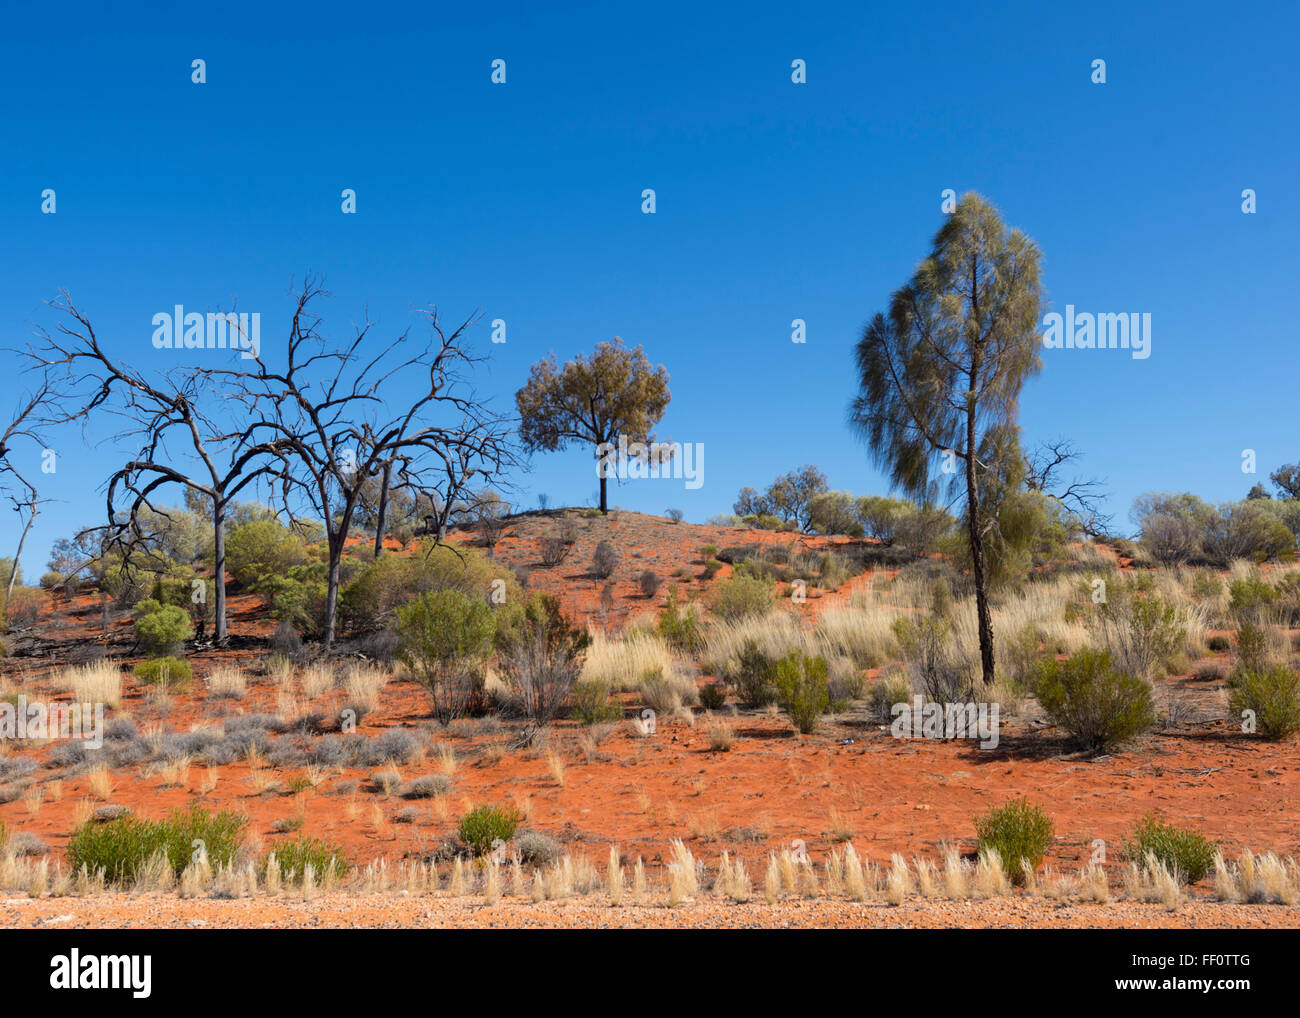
x=649, y=583
x=293, y=856
x=803, y=690
x=1020, y=833
x=481, y=828
x=537, y=849
x=444, y=638
x=169, y=672
x=680, y=626
x=1183, y=851
x=123, y=847
x=753, y=676
x=1272, y=694
x=161, y=629
x=1096, y=703
x=743, y=597
x=590, y=703
x=554, y=550
x=713, y=696
x=889, y=689
x=604, y=560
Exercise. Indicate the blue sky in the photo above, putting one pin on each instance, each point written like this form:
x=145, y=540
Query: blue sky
x=775, y=201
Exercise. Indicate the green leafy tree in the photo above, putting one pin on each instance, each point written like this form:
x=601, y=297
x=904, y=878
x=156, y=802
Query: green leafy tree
x=614, y=393
x=941, y=371
x=444, y=638
x=1287, y=480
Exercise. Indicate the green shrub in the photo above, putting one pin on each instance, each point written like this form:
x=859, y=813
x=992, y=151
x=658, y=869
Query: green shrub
x=122, y=847
x=369, y=602
x=753, y=676
x=444, y=638
x=1272, y=694
x=1094, y=701
x=1250, y=599
x=713, y=696
x=161, y=629
x=481, y=827
x=172, y=673
x=891, y=688
x=262, y=548
x=1252, y=647
x=680, y=626
x=293, y=856
x=1182, y=850
x=591, y=705
x=711, y=568
x=1206, y=586
x=803, y=690
x=1020, y=832
x=743, y=597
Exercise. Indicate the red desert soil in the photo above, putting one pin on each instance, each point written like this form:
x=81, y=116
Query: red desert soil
x=852, y=779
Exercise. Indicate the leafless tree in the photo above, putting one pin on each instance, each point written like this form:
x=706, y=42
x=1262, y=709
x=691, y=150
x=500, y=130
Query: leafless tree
x=1081, y=496
x=340, y=430
x=18, y=489
x=157, y=409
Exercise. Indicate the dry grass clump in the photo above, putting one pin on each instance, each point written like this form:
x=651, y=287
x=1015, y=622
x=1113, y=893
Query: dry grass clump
x=667, y=692
x=733, y=881
x=1152, y=881
x=683, y=877
x=1257, y=880
x=862, y=632
x=722, y=737
x=316, y=680
x=228, y=683
x=775, y=635
x=619, y=662
x=97, y=682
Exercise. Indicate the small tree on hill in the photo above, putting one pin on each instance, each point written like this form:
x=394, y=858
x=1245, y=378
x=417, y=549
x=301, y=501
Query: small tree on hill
x=598, y=400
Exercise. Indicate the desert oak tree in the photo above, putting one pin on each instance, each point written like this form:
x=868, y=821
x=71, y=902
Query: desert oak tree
x=611, y=395
x=940, y=372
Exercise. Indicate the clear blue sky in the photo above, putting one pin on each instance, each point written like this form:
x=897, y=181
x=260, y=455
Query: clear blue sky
x=775, y=201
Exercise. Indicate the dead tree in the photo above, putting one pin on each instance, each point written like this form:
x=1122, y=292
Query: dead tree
x=1082, y=497
x=338, y=431
x=158, y=409
x=21, y=492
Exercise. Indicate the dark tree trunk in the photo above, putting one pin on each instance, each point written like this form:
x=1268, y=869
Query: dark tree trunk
x=219, y=561
x=604, y=505
x=332, y=589
x=383, y=510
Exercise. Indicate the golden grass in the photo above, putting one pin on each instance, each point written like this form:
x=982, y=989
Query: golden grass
x=98, y=682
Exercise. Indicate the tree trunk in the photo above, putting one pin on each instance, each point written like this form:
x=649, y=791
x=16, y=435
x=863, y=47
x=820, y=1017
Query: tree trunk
x=13, y=572
x=977, y=555
x=604, y=505
x=219, y=562
x=332, y=590
x=383, y=510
